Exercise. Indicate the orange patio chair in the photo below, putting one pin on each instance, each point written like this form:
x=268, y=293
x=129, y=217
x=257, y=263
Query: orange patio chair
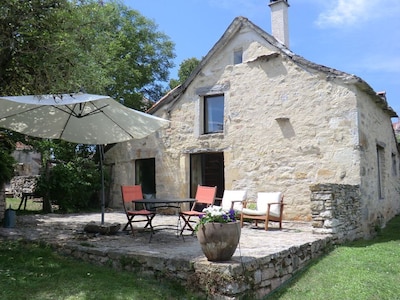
x=130, y=194
x=205, y=197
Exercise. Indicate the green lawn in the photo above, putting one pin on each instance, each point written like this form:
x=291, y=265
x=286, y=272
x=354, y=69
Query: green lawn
x=29, y=271
x=32, y=206
x=358, y=270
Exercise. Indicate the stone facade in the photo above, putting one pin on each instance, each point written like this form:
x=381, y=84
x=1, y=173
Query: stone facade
x=288, y=124
x=28, y=163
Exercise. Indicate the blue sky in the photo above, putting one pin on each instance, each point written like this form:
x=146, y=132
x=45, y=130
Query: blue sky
x=360, y=37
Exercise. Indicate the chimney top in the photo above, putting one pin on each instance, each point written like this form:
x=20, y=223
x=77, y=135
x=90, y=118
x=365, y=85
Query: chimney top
x=279, y=20
x=271, y=1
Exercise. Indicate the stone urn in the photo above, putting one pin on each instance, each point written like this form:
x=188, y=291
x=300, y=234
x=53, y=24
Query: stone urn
x=218, y=241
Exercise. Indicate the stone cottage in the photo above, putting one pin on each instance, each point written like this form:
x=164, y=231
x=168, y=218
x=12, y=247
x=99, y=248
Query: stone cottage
x=254, y=115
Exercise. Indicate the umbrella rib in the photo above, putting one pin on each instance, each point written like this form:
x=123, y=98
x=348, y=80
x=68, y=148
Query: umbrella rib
x=112, y=120
x=20, y=113
x=79, y=115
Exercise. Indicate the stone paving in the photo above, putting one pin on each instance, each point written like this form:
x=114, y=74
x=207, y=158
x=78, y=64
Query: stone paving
x=68, y=229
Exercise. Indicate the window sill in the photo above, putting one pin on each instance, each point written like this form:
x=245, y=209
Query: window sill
x=211, y=135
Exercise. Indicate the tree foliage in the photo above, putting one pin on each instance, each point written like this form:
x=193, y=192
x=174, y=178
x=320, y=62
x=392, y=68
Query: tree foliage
x=185, y=69
x=54, y=46
x=6, y=160
x=72, y=185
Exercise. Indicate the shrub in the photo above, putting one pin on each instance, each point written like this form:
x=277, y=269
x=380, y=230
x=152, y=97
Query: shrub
x=73, y=185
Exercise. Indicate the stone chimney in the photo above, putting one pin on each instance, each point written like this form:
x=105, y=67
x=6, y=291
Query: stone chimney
x=279, y=20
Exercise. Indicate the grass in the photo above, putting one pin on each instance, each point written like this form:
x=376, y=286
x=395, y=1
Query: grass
x=31, y=271
x=357, y=270
x=32, y=206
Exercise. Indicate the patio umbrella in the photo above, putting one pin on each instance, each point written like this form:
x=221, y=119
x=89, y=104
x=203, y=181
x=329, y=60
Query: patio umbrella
x=78, y=118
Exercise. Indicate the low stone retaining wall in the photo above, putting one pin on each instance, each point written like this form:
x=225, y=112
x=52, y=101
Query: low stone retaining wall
x=335, y=209
x=256, y=278
x=250, y=277
x=177, y=269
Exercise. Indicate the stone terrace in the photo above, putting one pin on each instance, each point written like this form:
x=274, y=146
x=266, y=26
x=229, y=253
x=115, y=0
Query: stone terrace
x=262, y=262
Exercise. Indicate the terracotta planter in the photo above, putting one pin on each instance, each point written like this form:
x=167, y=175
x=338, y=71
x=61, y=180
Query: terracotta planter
x=219, y=240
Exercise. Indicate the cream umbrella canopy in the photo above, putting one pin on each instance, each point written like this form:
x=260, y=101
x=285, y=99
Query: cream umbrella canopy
x=78, y=118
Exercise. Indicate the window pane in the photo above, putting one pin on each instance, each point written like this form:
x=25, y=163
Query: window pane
x=238, y=57
x=381, y=166
x=214, y=114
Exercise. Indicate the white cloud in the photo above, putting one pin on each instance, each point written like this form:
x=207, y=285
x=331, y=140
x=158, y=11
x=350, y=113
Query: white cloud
x=352, y=12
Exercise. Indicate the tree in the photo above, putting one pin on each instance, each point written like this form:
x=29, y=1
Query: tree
x=62, y=46
x=185, y=69
x=6, y=160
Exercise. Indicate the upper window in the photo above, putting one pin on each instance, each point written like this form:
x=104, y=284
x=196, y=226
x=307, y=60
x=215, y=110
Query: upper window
x=237, y=56
x=213, y=114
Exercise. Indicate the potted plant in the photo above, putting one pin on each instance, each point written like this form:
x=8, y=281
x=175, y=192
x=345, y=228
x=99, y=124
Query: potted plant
x=218, y=232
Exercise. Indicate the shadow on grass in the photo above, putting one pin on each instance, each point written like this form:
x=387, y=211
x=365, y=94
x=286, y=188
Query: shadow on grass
x=391, y=232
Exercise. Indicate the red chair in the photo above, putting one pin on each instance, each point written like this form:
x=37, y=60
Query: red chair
x=205, y=197
x=131, y=193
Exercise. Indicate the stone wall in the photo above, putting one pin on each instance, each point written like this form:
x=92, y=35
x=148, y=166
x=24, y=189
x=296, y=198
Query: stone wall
x=336, y=209
x=256, y=278
x=380, y=194
x=23, y=184
x=253, y=278
x=277, y=136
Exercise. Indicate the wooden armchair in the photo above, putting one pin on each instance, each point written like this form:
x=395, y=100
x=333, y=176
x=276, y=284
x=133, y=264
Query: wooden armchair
x=233, y=199
x=269, y=208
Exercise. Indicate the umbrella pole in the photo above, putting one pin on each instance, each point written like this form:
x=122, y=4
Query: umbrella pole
x=103, y=201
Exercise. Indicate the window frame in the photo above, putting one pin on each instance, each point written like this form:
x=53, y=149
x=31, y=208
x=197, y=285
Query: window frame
x=237, y=56
x=207, y=127
x=380, y=155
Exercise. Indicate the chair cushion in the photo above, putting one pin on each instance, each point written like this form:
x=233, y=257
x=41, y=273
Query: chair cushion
x=233, y=195
x=192, y=213
x=141, y=212
x=264, y=198
x=253, y=212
